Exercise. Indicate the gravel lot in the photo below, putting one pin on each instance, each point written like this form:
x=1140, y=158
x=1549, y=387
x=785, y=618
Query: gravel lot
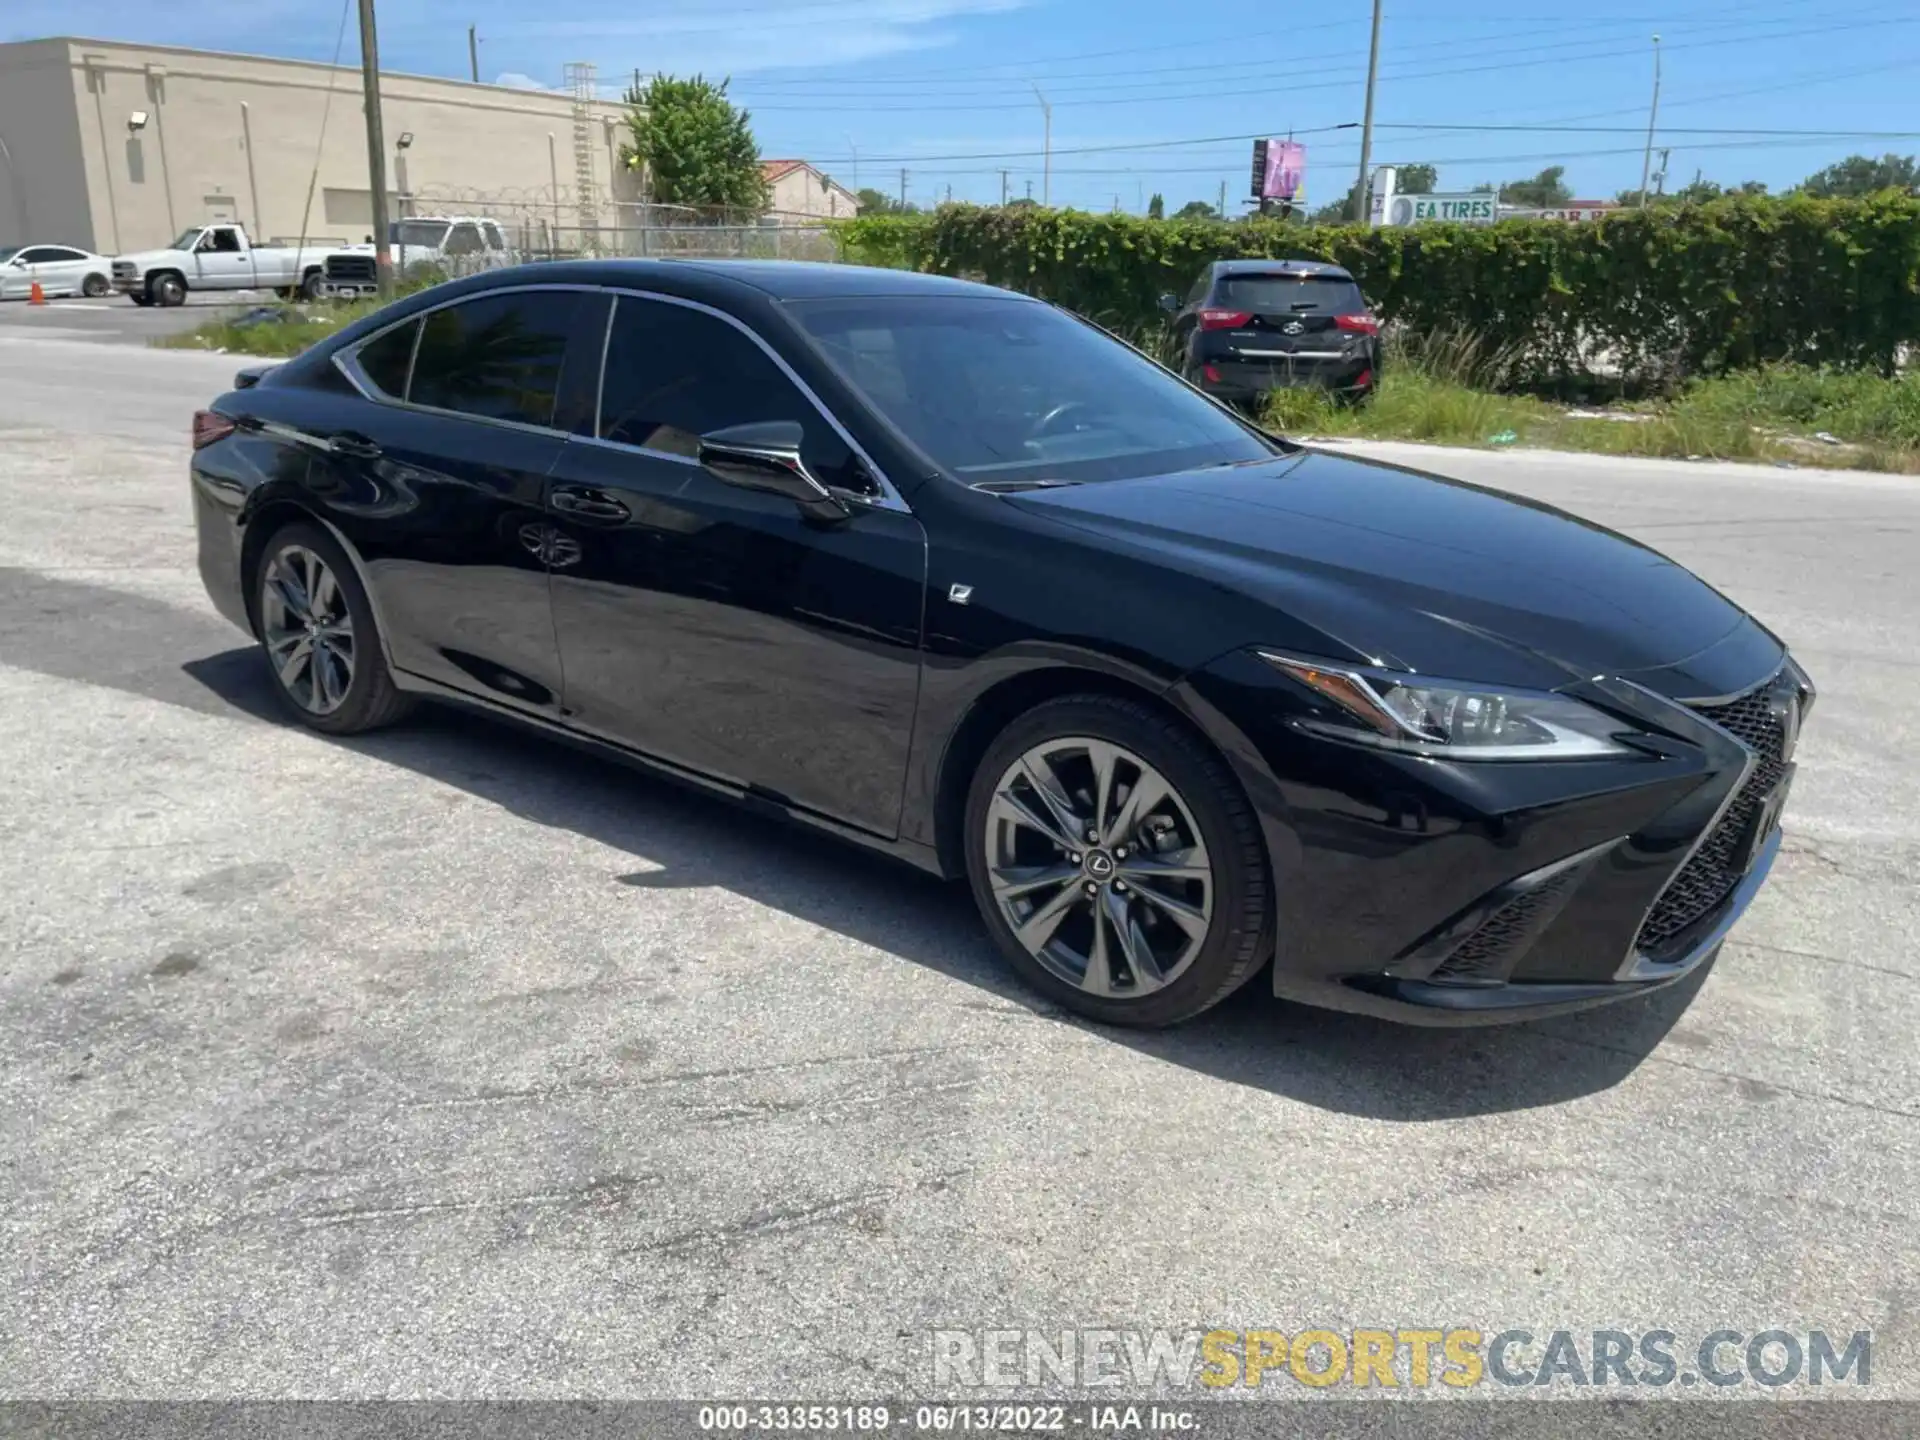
x=447, y=1063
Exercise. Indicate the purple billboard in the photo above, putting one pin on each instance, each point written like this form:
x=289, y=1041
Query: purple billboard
x=1279, y=167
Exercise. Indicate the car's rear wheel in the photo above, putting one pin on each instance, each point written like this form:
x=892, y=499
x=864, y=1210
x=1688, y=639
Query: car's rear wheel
x=94, y=286
x=1117, y=862
x=319, y=636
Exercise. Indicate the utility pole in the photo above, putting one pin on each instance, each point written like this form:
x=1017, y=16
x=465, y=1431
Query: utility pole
x=1046, y=174
x=1366, y=126
x=855, y=149
x=376, y=147
x=949, y=193
x=1223, y=199
x=903, y=187
x=1029, y=190
x=1653, y=114
x=1003, y=189
x=473, y=54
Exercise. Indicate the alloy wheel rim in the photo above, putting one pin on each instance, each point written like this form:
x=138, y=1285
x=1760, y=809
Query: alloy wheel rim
x=308, y=630
x=1098, y=868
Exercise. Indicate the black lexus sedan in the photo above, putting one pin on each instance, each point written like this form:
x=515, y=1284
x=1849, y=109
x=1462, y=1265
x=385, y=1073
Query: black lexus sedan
x=1247, y=327
x=950, y=573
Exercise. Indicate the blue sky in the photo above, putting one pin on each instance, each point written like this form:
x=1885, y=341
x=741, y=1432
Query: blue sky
x=1148, y=96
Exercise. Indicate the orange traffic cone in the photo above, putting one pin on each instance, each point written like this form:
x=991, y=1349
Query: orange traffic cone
x=36, y=296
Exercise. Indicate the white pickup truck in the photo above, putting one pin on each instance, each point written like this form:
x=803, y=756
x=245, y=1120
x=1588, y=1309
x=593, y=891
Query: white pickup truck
x=456, y=245
x=221, y=257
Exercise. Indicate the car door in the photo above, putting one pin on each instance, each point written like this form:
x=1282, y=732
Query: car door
x=68, y=268
x=721, y=628
x=222, y=260
x=441, y=475
x=17, y=272
x=58, y=269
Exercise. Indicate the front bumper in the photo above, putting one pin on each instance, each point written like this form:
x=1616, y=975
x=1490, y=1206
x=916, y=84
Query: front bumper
x=1442, y=893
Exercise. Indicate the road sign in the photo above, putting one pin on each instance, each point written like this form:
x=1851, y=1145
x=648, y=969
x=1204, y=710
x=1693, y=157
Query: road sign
x=1470, y=208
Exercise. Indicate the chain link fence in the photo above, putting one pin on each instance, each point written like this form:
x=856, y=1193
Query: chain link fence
x=549, y=225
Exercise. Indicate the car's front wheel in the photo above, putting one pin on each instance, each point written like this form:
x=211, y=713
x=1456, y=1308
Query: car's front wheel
x=1117, y=862
x=319, y=636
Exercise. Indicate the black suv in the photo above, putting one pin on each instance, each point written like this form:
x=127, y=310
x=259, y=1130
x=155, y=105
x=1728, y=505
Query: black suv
x=1250, y=326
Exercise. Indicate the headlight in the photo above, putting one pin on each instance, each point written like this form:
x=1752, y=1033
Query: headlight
x=1418, y=716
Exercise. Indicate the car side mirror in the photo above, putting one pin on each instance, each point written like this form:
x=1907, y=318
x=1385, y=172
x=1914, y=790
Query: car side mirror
x=1170, y=304
x=766, y=456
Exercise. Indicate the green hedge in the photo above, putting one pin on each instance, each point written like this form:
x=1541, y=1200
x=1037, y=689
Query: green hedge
x=1661, y=294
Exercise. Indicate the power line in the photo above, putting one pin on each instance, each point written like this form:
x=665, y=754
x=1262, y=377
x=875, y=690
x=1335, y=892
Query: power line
x=1212, y=92
x=1443, y=127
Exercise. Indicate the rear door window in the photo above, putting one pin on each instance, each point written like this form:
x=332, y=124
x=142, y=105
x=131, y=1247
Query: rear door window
x=1280, y=293
x=498, y=356
x=385, y=359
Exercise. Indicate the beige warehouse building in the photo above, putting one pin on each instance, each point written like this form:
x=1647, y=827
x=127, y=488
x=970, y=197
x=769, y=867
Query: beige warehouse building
x=120, y=147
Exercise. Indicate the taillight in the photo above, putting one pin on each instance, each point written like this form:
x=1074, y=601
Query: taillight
x=1212, y=372
x=209, y=426
x=1224, y=319
x=1360, y=324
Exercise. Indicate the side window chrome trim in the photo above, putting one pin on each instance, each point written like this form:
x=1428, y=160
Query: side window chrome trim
x=889, y=497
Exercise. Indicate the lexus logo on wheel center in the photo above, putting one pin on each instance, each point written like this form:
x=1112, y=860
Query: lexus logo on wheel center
x=1099, y=864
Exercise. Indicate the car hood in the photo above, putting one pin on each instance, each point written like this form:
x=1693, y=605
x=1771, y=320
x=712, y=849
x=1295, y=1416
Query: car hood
x=151, y=257
x=1411, y=570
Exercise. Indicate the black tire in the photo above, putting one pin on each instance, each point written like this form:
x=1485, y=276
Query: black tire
x=287, y=292
x=310, y=285
x=94, y=286
x=1239, y=940
x=140, y=298
x=371, y=700
x=167, y=290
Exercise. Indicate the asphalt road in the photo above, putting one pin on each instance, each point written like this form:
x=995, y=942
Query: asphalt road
x=446, y=1063
x=115, y=319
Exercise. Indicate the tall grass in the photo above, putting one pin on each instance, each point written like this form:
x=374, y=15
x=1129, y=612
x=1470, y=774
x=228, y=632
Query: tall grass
x=1443, y=389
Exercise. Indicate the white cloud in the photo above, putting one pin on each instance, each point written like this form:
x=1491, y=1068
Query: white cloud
x=514, y=80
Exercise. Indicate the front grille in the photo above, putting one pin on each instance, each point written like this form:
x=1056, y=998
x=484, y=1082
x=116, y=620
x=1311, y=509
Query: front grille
x=1490, y=951
x=126, y=268
x=352, y=269
x=1710, y=875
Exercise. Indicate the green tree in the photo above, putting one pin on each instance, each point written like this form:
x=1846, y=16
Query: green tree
x=696, y=145
x=1859, y=175
x=1417, y=179
x=1196, y=210
x=878, y=202
x=1023, y=202
x=1542, y=192
x=1157, y=207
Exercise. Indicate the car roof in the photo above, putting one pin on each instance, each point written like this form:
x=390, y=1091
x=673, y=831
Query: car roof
x=1280, y=263
x=779, y=279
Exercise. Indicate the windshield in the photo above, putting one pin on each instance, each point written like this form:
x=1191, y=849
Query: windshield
x=1011, y=390
x=1287, y=293
x=188, y=239
x=420, y=234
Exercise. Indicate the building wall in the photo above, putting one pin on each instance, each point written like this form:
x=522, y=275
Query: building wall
x=798, y=194
x=281, y=146
x=43, y=192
